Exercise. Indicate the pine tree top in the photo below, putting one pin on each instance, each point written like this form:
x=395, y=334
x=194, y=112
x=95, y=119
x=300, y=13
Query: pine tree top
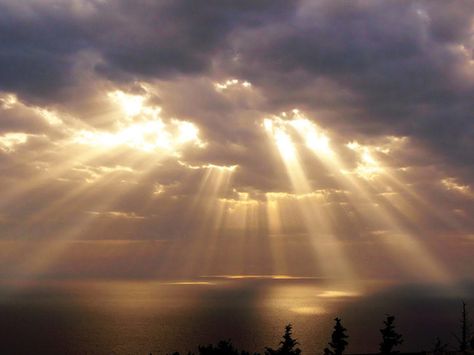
x=288, y=345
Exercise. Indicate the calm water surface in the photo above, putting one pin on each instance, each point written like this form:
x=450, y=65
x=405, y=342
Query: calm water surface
x=117, y=317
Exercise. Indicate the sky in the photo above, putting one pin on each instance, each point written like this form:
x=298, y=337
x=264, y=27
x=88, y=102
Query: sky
x=178, y=139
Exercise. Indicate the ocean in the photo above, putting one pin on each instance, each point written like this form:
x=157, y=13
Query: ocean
x=160, y=317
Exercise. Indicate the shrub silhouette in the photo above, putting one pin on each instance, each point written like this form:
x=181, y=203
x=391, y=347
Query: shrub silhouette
x=338, y=339
x=390, y=338
x=224, y=347
x=439, y=347
x=288, y=345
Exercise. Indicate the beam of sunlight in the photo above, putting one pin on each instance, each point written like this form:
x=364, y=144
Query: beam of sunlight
x=419, y=202
x=405, y=243
x=404, y=246
x=275, y=230
x=316, y=140
x=368, y=169
x=50, y=250
x=144, y=136
x=314, y=216
x=246, y=228
x=204, y=216
x=51, y=173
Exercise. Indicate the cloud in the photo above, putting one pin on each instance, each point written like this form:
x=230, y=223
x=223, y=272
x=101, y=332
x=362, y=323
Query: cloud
x=42, y=42
x=149, y=120
x=403, y=68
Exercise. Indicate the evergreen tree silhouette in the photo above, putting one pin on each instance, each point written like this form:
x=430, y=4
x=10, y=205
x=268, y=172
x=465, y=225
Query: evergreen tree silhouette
x=439, y=347
x=288, y=345
x=338, y=340
x=390, y=338
x=465, y=328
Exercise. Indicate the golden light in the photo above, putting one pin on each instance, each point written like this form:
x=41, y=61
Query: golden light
x=309, y=310
x=207, y=214
x=367, y=167
x=367, y=199
x=187, y=132
x=144, y=130
x=285, y=144
x=315, y=140
x=307, y=209
x=338, y=294
x=232, y=83
x=268, y=125
x=9, y=141
x=241, y=212
x=131, y=104
x=304, y=299
x=191, y=283
x=50, y=116
x=145, y=136
x=209, y=167
x=7, y=101
x=314, y=216
x=451, y=184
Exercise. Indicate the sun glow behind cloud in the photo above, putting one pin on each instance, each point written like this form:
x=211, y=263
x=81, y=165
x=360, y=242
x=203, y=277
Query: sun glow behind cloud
x=367, y=166
x=147, y=132
x=10, y=141
x=314, y=138
x=146, y=136
x=232, y=83
x=132, y=105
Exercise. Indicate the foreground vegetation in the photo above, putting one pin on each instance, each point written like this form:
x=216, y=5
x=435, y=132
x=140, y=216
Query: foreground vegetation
x=390, y=340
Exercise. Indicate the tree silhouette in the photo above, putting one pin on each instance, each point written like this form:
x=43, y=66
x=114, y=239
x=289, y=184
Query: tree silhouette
x=390, y=338
x=465, y=328
x=224, y=347
x=439, y=347
x=338, y=340
x=288, y=345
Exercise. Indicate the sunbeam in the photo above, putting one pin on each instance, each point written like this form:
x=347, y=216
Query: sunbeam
x=316, y=221
x=405, y=243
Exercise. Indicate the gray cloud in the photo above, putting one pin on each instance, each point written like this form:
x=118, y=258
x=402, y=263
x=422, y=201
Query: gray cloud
x=402, y=62
x=40, y=40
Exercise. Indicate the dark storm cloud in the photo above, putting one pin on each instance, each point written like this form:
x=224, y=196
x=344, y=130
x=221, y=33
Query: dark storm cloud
x=40, y=41
x=167, y=37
